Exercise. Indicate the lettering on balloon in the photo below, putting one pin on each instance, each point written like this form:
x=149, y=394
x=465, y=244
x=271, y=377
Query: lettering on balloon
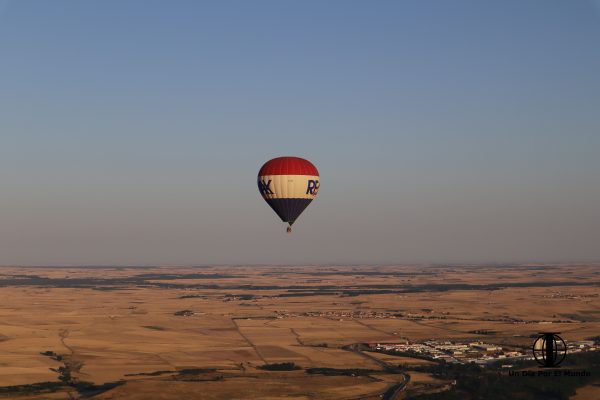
x=265, y=187
x=313, y=187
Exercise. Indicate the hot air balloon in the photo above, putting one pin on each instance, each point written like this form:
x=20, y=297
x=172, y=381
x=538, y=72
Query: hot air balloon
x=288, y=185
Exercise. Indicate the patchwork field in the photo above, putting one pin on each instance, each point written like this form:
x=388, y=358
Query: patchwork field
x=208, y=332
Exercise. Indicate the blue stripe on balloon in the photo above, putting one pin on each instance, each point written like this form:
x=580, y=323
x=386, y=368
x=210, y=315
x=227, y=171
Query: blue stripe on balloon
x=288, y=209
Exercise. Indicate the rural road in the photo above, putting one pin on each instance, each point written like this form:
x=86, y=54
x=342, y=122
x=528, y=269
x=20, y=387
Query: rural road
x=233, y=320
x=393, y=392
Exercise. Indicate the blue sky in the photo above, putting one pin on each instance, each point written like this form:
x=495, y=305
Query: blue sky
x=131, y=132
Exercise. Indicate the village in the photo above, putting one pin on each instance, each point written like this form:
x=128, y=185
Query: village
x=426, y=314
x=478, y=352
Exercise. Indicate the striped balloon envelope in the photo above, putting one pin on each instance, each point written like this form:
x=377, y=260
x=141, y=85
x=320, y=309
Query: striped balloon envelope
x=288, y=185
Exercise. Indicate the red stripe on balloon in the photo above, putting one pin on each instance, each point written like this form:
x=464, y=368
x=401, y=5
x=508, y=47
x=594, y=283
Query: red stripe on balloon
x=288, y=166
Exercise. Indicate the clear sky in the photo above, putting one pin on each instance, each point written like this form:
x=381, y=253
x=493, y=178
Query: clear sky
x=131, y=132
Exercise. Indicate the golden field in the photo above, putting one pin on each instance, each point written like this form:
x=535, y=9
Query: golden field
x=203, y=332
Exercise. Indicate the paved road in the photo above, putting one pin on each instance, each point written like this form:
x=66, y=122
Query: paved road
x=393, y=392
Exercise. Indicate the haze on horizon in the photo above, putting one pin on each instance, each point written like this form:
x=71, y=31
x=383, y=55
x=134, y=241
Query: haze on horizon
x=131, y=132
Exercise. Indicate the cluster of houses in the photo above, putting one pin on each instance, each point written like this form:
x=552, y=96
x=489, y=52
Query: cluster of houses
x=453, y=352
x=337, y=314
x=582, y=345
x=471, y=352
